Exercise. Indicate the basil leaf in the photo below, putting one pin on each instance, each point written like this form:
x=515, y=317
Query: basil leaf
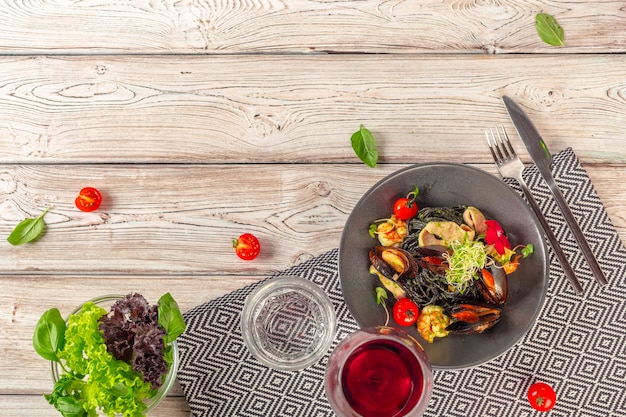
x=549, y=31
x=28, y=230
x=365, y=147
x=170, y=318
x=70, y=407
x=49, y=336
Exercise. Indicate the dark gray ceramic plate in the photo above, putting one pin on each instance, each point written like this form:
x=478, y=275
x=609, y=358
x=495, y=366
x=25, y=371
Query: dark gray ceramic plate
x=447, y=184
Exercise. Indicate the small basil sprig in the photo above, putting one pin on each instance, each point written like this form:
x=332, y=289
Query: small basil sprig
x=28, y=230
x=49, y=335
x=364, y=146
x=549, y=31
x=170, y=318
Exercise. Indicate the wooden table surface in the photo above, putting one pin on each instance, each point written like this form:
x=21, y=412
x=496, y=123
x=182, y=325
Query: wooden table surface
x=203, y=120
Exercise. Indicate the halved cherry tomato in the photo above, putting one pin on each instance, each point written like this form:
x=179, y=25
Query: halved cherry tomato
x=405, y=312
x=541, y=396
x=404, y=208
x=247, y=246
x=89, y=199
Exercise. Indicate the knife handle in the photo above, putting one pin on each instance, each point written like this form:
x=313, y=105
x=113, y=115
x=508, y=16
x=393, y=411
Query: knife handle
x=578, y=234
x=556, y=246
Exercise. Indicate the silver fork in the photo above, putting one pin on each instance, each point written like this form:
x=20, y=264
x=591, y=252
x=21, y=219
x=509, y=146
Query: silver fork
x=510, y=166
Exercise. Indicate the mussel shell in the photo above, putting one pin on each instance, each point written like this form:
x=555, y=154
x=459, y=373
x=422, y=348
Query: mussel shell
x=462, y=327
x=493, y=284
x=394, y=263
x=473, y=318
x=432, y=258
x=381, y=266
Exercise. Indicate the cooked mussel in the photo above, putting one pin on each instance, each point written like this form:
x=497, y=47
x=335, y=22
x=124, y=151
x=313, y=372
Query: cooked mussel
x=493, y=284
x=472, y=318
x=434, y=258
x=393, y=263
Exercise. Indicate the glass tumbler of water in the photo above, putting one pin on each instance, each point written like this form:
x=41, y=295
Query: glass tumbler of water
x=288, y=323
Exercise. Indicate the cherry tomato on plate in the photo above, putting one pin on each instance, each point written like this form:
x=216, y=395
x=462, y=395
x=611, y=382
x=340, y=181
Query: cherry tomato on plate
x=405, y=207
x=405, y=312
x=247, y=246
x=89, y=199
x=541, y=396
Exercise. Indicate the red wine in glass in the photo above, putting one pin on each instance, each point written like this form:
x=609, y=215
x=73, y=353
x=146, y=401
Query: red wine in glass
x=380, y=372
x=382, y=378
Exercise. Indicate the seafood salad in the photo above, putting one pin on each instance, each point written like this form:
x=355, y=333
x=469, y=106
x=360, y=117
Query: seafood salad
x=453, y=263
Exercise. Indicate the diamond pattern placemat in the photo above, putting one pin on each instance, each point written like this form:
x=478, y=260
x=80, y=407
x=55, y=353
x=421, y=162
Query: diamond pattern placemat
x=577, y=344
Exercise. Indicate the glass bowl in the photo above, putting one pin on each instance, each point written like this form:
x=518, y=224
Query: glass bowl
x=288, y=323
x=106, y=302
x=378, y=372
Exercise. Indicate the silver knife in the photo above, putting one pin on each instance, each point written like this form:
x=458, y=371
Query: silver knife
x=543, y=160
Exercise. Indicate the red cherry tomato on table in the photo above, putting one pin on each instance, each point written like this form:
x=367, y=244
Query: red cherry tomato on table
x=541, y=396
x=89, y=199
x=405, y=312
x=247, y=246
x=404, y=208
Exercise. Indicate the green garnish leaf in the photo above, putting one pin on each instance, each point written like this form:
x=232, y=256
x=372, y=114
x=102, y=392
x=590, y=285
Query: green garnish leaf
x=412, y=196
x=170, y=318
x=364, y=146
x=49, y=335
x=549, y=30
x=372, y=230
x=528, y=250
x=28, y=230
x=381, y=295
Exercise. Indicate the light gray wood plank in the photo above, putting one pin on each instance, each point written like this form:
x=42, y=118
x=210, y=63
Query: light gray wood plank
x=172, y=219
x=36, y=406
x=305, y=26
x=180, y=219
x=301, y=109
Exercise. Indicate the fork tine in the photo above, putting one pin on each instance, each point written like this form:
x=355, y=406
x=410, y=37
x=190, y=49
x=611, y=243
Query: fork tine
x=506, y=142
x=496, y=158
x=504, y=149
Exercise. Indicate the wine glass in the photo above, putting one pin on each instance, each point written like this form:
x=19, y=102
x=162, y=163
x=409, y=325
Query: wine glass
x=379, y=372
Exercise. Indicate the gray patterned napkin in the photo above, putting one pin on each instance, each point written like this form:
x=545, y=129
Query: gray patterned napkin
x=577, y=344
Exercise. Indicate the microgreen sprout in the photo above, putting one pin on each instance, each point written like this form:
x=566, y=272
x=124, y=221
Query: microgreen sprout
x=381, y=298
x=466, y=261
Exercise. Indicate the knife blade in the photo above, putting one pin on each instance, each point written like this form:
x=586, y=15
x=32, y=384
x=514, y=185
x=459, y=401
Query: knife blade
x=542, y=158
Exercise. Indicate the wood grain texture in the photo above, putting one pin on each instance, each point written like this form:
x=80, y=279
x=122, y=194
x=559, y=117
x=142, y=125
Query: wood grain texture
x=276, y=109
x=200, y=120
x=180, y=219
x=36, y=406
x=305, y=26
